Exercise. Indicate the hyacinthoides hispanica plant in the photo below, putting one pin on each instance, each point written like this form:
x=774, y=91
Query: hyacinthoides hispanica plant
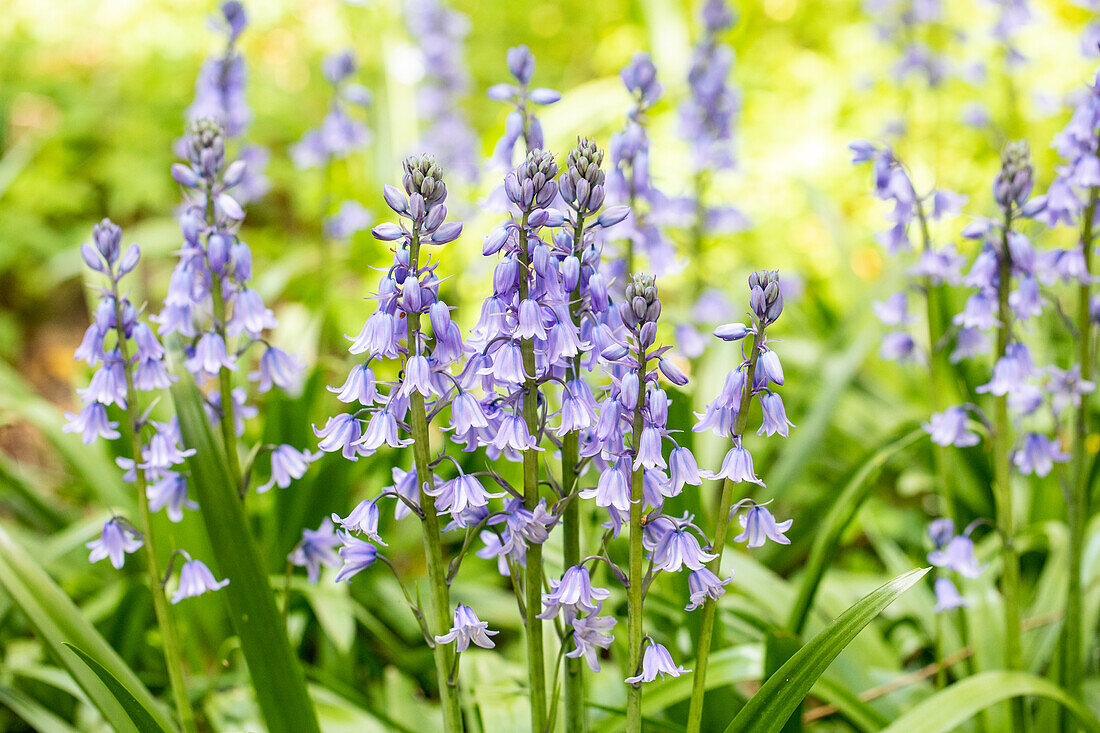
x=1072, y=199
x=131, y=360
x=212, y=308
x=395, y=331
x=728, y=416
x=629, y=182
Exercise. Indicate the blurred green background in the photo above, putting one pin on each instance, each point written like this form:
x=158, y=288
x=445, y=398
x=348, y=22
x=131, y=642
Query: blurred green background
x=92, y=96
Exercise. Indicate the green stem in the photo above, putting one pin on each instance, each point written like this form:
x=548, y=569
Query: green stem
x=637, y=555
x=440, y=615
x=1077, y=509
x=1002, y=481
x=173, y=660
x=536, y=654
x=937, y=368
x=710, y=607
x=575, y=718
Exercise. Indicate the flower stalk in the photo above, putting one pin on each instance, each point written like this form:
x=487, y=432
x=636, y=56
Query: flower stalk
x=721, y=530
x=634, y=588
x=173, y=659
x=1002, y=476
x=429, y=522
x=1077, y=500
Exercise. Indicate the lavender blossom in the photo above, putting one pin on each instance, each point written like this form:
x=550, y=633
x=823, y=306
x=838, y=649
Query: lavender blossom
x=316, y=548
x=195, y=580
x=656, y=661
x=116, y=540
x=467, y=628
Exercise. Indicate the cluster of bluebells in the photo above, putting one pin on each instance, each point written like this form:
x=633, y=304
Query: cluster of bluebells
x=755, y=376
x=130, y=360
x=439, y=33
x=210, y=302
x=522, y=123
x=341, y=132
x=629, y=181
x=935, y=266
x=550, y=318
x=220, y=95
x=954, y=553
x=906, y=24
x=1015, y=376
x=707, y=119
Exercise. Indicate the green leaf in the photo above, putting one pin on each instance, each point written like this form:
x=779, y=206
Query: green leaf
x=778, y=697
x=57, y=622
x=861, y=715
x=843, y=511
x=143, y=719
x=32, y=713
x=947, y=709
x=277, y=676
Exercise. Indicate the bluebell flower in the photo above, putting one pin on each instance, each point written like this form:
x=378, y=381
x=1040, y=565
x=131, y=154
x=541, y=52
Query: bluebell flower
x=775, y=416
x=287, y=464
x=1038, y=455
x=116, y=540
x=947, y=596
x=467, y=628
x=356, y=554
x=703, y=584
x=169, y=492
x=574, y=593
x=957, y=555
x=1010, y=371
x=91, y=422
x=341, y=433
x=462, y=492
x=656, y=661
x=683, y=468
x=768, y=369
x=950, y=428
x=898, y=346
x=679, y=547
x=941, y=530
x=613, y=487
x=759, y=525
x=195, y=580
x=894, y=311
x=591, y=635
x=1066, y=388
x=736, y=466
x=316, y=548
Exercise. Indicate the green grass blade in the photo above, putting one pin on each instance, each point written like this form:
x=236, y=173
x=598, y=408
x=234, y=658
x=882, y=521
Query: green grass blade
x=778, y=697
x=277, y=676
x=947, y=709
x=33, y=714
x=841, y=514
x=142, y=719
x=862, y=716
x=57, y=622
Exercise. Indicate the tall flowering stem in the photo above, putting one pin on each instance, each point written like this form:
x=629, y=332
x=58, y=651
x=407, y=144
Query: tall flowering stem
x=532, y=186
x=433, y=547
x=937, y=368
x=1077, y=505
x=729, y=414
x=721, y=531
x=169, y=636
x=1016, y=167
x=637, y=556
x=582, y=187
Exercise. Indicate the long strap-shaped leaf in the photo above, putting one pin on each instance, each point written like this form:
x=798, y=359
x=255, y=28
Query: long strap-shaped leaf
x=277, y=676
x=142, y=718
x=778, y=697
x=57, y=621
x=945, y=710
x=841, y=513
